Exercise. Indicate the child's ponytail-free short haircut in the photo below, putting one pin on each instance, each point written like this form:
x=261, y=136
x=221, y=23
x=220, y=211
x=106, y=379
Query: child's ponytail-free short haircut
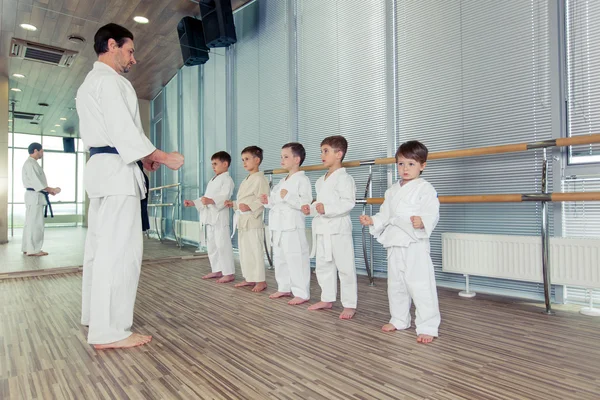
x=297, y=150
x=337, y=143
x=413, y=150
x=255, y=151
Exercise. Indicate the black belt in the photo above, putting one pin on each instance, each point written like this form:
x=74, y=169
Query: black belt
x=144, y=202
x=48, y=204
x=103, y=150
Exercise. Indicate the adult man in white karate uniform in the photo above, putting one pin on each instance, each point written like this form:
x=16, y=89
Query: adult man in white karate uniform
x=36, y=199
x=111, y=128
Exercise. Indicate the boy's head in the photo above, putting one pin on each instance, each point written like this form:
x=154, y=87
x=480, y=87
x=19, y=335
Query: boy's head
x=220, y=161
x=411, y=159
x=252, y=157
x=333, y=150
x=292, y=155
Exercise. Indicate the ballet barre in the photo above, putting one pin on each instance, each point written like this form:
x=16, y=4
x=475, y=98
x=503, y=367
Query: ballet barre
x=544, y=197
x=174, y=207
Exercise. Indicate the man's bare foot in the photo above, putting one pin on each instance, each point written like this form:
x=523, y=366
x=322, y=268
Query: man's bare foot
x=322, y=305
x=244, y=283
x=348, y=313
x=422, y=338
x=259, y=287
x=277, y=295
x=388, y=328
x=40, y=254
x=135, y=339
x=297, y=300
x=226, y=278
x=213, y=275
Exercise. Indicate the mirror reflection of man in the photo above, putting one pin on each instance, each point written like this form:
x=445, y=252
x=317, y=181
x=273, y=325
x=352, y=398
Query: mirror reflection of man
x=36, y=199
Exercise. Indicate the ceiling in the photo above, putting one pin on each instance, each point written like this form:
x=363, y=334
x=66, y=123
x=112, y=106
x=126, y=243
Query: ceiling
x=157, y=51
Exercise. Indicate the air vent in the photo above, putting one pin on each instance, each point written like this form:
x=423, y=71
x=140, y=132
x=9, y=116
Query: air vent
x=28, y=116
x=27, y=50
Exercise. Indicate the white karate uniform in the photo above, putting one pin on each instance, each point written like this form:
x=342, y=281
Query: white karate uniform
x=215, y=217
x=109, y=116
x=332, y=237
x=33, y=230
x=251, y=227
x=410, y=270
x=288, y=234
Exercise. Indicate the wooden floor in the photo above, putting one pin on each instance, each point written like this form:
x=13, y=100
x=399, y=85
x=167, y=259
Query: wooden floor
x=65, y=246
x=215, y=342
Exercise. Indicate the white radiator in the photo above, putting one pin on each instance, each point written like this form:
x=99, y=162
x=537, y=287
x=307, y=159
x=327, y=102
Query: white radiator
x=573, y=261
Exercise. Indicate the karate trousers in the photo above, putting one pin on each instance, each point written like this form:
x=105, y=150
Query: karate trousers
x=411, y=276
x=33, y=230
x=335, y=256
x=252, y=254
x=220, y=251
x=292, y=262
x=111, y=267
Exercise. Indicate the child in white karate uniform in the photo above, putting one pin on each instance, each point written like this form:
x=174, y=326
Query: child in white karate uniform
x=287, y=226
x=408, y=216
x=248, y=219
x=215, y=217
x=332, y=229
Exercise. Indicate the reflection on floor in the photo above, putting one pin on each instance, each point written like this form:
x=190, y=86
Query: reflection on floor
x=65, y=247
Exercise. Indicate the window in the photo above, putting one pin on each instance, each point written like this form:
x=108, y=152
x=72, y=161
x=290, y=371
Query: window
x=583, y=76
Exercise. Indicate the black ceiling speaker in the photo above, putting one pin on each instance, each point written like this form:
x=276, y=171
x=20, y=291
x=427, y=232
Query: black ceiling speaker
x=191, y=40
x=217, y=17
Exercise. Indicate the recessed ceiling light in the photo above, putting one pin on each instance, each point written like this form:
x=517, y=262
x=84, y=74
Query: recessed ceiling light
x=10, y=120
x=15, y=89
x=63, y=119
x=28, y=27
x=52, y=130
x=57, y=125
x=18, y=75
x=140, y=20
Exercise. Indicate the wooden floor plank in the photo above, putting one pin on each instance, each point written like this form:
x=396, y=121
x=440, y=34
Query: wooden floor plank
x=216, y=342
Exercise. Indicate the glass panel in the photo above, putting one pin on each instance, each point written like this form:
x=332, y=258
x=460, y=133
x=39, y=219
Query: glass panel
x=24, y=140
x=18, y=216
x=80, y=168
x=63, y=209
x=60, y=171
x=53, y=143
x=191, y=137
x=21, y=156
x=157, y=105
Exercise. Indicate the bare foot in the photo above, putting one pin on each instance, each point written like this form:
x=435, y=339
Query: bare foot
x=244, y=283
x=259, y=287
x=388, y=328
x=277, y=295
x=213, y=275
x=40, y=254
x=135, y=339
x=322, y=305
x=348, y=313
x=226, y=278
x=297, y=300
x=422, y=338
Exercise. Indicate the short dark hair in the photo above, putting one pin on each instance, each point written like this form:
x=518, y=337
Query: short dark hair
x=297, y=150
x=33, y=147
x=255, y=151
x=110, y=31
x=337, y=143
x=413, y=150
x=222, y=156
